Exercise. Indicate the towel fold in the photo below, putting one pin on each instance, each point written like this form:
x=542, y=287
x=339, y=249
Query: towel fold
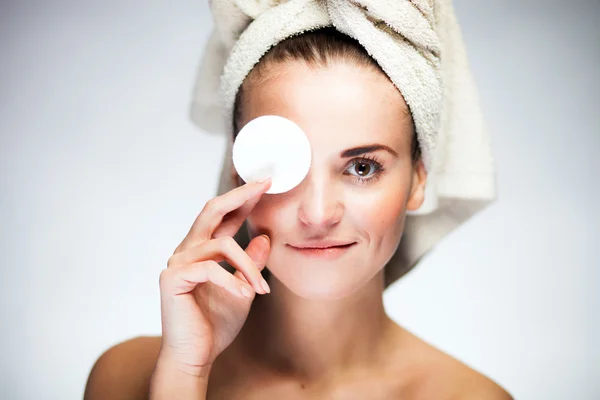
x=418, y=44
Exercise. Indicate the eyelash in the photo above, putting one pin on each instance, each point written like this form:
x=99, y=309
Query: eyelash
x=371, y=160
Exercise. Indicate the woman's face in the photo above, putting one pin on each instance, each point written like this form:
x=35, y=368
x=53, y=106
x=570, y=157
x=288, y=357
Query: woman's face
x=360, y=184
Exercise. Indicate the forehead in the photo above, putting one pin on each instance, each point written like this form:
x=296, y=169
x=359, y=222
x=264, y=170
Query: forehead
x=339, y=105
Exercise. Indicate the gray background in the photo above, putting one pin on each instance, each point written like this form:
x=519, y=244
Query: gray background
x=102, y=173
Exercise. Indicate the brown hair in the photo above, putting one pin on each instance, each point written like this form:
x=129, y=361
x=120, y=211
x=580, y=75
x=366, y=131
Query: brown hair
x=317, y=48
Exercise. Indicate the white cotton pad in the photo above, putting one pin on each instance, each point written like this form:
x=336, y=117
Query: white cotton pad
x=272, y=146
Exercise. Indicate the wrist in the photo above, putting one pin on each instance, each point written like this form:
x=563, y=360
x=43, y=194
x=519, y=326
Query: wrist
x=172, y=380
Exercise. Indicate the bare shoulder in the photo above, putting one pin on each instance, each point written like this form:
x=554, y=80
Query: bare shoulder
x=124, y=370
x=437, y=375
x=472, y=385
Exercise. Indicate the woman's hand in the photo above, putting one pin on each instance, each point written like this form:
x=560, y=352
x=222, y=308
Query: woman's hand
x=204, y=306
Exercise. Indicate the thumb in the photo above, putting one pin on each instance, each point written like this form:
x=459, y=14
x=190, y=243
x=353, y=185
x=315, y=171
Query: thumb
x=258, y=250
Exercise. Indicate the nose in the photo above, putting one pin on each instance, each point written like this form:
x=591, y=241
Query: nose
x=320, y=206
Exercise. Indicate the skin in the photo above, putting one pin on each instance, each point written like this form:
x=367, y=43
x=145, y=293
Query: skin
x=322, y=332
x=333, y=202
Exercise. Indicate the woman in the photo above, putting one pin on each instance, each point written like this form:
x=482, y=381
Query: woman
x=317, y=329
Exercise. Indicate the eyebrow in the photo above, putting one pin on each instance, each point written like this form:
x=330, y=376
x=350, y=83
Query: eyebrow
x=357, y=151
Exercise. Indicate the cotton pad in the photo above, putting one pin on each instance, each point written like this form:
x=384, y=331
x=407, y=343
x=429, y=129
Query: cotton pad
x=272, y=146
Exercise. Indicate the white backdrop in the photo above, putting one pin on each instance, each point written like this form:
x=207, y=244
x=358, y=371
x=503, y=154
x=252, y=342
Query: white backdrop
x=102, y=173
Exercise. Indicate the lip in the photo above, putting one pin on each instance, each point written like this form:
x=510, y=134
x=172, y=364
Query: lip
x=324, y=250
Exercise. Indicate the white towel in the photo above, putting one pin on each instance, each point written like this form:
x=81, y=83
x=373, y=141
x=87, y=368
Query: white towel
x=418, y=44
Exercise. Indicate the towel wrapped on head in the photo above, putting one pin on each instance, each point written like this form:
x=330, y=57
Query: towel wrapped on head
x=418, y=44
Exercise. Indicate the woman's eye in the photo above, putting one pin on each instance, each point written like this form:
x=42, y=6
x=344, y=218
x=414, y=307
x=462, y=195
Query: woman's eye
x=363, y=169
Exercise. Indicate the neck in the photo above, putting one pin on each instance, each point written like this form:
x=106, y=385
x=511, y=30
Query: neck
x=311, y=339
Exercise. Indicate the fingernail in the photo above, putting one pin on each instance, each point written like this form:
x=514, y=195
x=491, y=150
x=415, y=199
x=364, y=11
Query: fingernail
x=264, y=180
x=266, y=237
x=245, y=292
x=265, y=285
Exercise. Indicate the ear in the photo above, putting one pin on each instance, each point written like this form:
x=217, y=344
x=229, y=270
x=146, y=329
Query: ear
x=417, y=190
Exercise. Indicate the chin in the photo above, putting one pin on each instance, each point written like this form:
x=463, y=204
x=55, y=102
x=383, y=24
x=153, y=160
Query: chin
x=320, y=280
x=318, y=289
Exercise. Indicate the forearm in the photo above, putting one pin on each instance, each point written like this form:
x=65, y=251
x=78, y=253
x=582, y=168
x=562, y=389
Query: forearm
x=170, y=382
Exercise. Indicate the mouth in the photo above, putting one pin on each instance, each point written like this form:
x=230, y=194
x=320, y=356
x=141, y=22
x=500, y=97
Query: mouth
x=325, y=251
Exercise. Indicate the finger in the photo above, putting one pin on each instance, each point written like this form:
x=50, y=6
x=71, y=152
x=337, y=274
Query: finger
x=225, y=248
x=217, y=208
x=258, y=250
x=232, y=221
x=177, y=281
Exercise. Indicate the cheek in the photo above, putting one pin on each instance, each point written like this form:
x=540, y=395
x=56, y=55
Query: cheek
x=379, y=214
x=267, y=215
